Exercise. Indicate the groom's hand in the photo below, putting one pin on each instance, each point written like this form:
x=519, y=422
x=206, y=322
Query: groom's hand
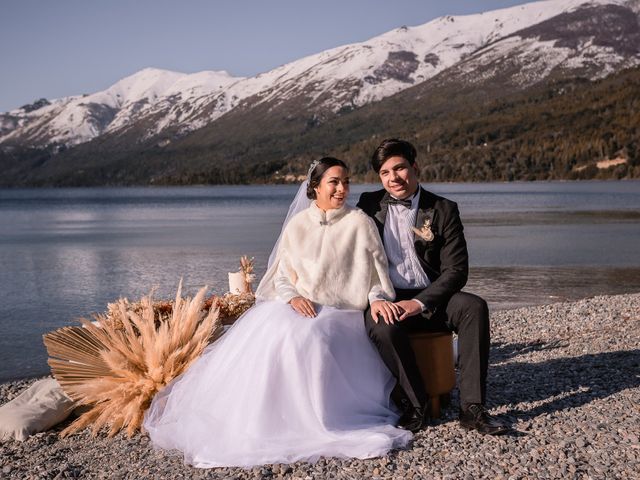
x=409, y=308
x=389, y=312
x=303, y=306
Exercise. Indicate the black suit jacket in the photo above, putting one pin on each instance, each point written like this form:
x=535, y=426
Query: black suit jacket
x=444, y=259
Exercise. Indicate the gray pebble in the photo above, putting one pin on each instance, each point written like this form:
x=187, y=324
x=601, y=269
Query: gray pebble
x=565, y=374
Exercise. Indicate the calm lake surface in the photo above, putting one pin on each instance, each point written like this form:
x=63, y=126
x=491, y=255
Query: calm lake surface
x=65, y=253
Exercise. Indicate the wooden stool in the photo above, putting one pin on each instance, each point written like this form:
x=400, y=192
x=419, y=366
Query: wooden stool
x=434, y=356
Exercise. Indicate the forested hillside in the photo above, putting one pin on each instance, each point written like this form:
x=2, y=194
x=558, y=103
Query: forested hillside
x=557, y=130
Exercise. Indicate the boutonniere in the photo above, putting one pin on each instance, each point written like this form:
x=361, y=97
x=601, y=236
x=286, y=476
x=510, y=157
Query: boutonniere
x=425, y=231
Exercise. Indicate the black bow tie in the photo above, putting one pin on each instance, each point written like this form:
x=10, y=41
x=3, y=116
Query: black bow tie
x=396, y=201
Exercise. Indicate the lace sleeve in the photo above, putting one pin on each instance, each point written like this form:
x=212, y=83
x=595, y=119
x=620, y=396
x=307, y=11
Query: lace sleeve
x=284, y=288
x=381, y=287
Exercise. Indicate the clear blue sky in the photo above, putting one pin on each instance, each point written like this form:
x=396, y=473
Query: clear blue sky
x=68, y=47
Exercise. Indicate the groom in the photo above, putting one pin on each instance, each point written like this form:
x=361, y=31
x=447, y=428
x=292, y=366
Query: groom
x=428, y=265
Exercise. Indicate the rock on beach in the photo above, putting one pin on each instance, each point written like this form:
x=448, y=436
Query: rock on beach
x=565, y=375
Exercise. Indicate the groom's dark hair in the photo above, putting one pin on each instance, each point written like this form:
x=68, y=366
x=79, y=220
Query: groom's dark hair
x=392, y=147
x=316, y=174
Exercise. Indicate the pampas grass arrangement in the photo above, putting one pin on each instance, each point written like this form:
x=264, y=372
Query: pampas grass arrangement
x=116, y=366
x=246, y=267
x=231, y=305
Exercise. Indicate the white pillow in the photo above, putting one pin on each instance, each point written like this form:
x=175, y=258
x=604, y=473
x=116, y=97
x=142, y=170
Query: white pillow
x=40, y=407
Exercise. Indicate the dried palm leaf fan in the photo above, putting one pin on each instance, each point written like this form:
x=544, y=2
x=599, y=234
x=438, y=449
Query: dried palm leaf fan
x=117, y=366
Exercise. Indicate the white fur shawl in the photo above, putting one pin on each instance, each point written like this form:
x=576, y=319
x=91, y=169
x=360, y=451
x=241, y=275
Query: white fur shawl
x=332, y=258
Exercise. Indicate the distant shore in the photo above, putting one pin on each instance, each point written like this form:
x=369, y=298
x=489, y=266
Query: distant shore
x=565, y=375
x=295, y=180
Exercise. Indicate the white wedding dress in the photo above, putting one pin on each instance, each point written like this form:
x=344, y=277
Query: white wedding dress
x=279, y=387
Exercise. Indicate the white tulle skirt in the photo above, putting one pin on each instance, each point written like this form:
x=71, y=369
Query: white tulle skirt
x=277, y=388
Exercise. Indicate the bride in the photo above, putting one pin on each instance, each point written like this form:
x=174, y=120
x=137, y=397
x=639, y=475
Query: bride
x=296, y=377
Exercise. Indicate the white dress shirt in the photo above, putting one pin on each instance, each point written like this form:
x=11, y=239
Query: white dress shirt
x=405, y=270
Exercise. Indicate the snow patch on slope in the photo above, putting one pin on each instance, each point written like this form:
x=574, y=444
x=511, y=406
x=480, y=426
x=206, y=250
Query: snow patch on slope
x=344, y=77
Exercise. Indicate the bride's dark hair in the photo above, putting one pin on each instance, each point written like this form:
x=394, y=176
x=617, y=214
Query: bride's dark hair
x=316, y=173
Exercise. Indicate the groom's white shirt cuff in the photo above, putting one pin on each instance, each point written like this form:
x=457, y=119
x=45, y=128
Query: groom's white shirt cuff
x=422, y=305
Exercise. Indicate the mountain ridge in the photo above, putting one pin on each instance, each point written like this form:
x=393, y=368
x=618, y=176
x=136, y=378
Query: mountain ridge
x=355, y=74
x=252, y=117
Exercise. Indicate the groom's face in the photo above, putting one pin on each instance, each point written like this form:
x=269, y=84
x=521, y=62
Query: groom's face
x=399, y=177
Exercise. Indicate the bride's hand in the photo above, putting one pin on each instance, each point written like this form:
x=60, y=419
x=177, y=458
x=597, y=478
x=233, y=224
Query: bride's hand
x=389, y=311
x=303, y=306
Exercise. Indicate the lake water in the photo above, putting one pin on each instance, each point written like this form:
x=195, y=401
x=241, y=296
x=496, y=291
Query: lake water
x=65, y=253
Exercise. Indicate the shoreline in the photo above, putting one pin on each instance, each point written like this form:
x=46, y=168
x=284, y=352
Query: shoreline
x=565, y=375
x=494, y=308
x=355, y=181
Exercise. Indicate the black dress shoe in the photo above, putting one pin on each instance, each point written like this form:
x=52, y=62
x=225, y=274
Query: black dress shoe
x=413, y=418
x=476, y=417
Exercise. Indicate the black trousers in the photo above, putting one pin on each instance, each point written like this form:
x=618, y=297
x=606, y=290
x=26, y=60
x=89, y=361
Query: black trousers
x=467, y=315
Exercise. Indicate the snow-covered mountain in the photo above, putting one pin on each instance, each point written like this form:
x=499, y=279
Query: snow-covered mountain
x=77, y=119
x=527, y=42
x=593, y=41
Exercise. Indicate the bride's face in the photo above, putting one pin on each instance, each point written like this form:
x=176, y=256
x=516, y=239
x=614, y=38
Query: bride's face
x=333, y=189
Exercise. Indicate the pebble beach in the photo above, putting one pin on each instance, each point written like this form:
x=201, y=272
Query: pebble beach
x=566, y=376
